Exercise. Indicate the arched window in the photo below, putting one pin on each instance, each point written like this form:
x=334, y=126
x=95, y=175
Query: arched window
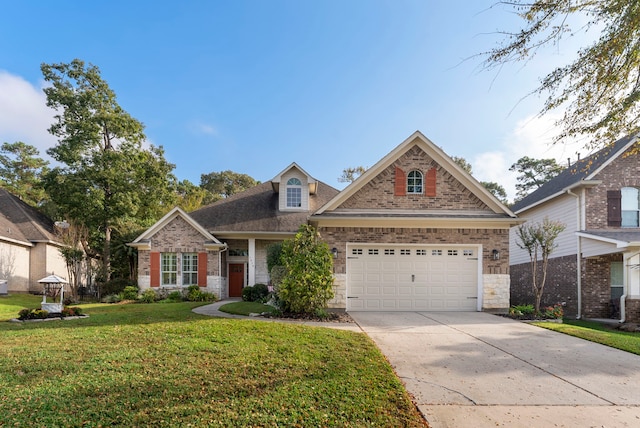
x=414, y=182
x=294, y=193
x=630, y=206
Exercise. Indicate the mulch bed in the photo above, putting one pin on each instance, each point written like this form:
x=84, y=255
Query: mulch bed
x=337, y=317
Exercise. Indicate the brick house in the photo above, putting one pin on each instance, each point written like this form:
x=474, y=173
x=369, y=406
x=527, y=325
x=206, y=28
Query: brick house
x=29, y=248
x=594, y=270
x=414, y=232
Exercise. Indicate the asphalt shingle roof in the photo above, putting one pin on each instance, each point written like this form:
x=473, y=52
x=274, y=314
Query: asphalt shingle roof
x=573, y=174
x=22, y=222
x=256, y=209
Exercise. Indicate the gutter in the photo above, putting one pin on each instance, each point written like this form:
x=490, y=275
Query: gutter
x=578, y=254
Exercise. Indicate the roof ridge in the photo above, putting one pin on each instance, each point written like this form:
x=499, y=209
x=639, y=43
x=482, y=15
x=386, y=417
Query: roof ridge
x=20, y=205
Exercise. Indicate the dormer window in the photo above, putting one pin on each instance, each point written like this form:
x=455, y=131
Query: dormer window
x=294, y=193
x=414, y=182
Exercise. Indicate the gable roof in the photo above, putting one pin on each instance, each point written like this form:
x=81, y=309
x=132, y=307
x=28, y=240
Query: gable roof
x=438, y=155
x=583, y=172
x=22, y=223
x=312, y=182
x=143, y=241
x=256, y=210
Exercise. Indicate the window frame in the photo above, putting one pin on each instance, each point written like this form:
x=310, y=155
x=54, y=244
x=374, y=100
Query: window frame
x=189, y=277
x=294, y=193
x=415, y=182
x=630, y=196
x=168, y=269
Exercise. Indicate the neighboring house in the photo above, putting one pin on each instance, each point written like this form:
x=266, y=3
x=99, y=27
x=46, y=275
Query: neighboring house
x=414, y=232
x=29, y=250
x=594, y=271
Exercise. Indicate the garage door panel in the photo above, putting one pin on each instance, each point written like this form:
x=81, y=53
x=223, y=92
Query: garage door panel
x=401, y=277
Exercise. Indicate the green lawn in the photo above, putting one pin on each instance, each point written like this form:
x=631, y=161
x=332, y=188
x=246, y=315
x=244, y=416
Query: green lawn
x=598, y=333
x=162, y=365
x=246, y=308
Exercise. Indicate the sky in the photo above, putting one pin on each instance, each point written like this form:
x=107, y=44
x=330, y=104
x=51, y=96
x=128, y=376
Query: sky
x=253, y=85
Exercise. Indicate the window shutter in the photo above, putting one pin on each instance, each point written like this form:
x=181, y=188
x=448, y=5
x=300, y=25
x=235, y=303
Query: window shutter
x=400, y=183
x=154, y=268
x=202, y=269
x=614, y=208
x=430, y=182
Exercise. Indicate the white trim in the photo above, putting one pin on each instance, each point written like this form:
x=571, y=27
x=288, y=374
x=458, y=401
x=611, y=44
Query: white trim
x=438, y=155
x=142, y=242
x=251, y=280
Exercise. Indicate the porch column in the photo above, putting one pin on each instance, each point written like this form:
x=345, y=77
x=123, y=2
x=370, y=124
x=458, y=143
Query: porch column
x=252, y=262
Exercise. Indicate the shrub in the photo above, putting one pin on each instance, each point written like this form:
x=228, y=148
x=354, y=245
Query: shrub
x=308, y=282
x=32, y=314
x=274, y=255
x=115, y=286
x=111, y=298
x=194, y=294
x=520, y=310
x=555, y=312
x=147, y=296
x=129, y=293
x=175, y=296
x=256, y=293
x=71, y=311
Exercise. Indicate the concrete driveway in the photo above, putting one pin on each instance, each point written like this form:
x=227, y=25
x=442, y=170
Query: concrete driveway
x=471, y=369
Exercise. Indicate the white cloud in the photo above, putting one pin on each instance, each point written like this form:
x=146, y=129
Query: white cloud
x=203, y=128
x=24, y=115
x=531, y=137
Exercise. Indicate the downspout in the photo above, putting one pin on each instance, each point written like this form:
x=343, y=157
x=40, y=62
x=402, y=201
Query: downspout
x=579, y=253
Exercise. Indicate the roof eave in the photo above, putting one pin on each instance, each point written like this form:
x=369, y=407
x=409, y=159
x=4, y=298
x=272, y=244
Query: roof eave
x=413, y=222
x=580, y=184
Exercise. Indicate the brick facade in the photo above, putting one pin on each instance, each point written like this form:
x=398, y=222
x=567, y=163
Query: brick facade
x=622, y=172
x=496, y=272
x=179, y=237
x=560, y=285
x=378, y=193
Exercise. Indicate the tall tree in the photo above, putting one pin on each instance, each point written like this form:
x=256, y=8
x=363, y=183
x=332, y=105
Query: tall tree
x=533, y=173
x=349, y=175
x=192, y=197
x=107, y=180
x=599, y=91
x=21, y=170
x=496, y=189
x=226, y=183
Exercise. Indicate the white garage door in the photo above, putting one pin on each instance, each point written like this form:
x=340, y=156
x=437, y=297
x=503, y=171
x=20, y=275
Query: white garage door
x=396, y=277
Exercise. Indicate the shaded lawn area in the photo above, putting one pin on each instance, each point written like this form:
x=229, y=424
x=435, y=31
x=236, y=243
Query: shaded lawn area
x=597, y=332
x=161, y=364
x=246, y=308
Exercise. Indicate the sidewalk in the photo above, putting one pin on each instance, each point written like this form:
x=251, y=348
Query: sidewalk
x=213, y=310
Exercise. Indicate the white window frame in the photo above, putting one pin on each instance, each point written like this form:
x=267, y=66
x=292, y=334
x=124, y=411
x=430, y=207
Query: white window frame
x=630, y=205
x=294, y=193
x=189, y=269
x=169, y=269
x=415, y=182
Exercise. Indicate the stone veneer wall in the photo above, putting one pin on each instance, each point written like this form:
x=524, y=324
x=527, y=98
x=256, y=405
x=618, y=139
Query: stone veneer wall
x=179, y=237
x=495, y=272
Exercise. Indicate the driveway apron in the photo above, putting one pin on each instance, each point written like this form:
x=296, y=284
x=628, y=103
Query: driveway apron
x=472, y=369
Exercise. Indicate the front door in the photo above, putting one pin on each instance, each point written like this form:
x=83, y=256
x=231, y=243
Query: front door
x=236, y=279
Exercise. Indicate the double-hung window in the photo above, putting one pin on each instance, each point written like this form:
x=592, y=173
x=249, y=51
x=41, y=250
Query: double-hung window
x=169, y=269
x=630, y=207
x=189, y=269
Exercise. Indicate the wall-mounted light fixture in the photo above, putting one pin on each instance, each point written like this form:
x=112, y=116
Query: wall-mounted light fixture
x=334, y=251
x=496, y=254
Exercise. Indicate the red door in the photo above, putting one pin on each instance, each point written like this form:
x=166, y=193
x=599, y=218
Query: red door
x=236, y=279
